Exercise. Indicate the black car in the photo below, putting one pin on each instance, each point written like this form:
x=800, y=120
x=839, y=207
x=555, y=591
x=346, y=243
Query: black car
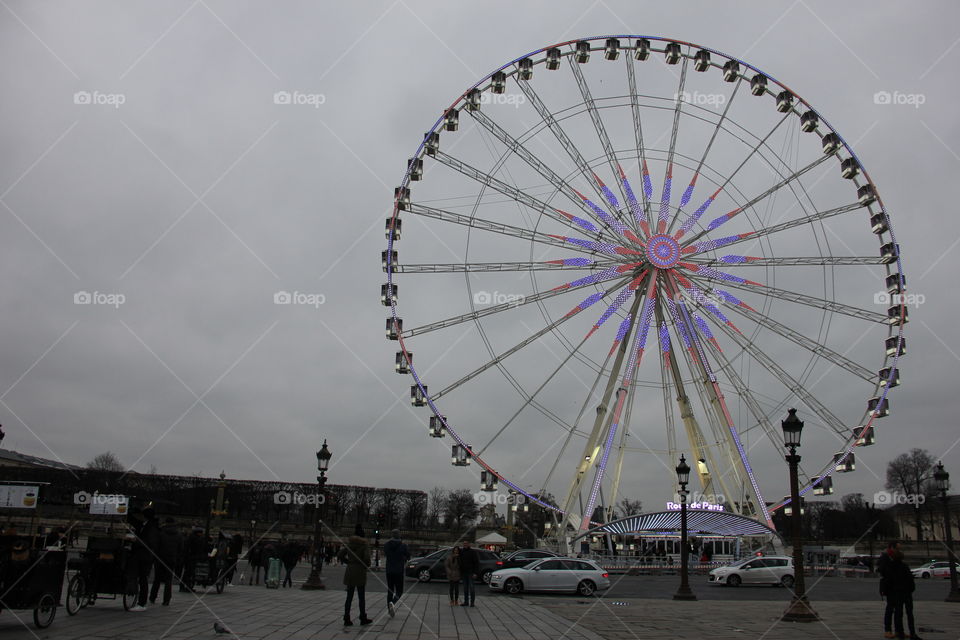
x=524, y=557
x=431, y=567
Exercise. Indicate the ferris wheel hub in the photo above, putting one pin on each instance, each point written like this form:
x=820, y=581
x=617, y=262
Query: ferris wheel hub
x=663, y=251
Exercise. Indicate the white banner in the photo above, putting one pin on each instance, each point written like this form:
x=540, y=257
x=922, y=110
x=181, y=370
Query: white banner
x=108, y=505
x=19, y=496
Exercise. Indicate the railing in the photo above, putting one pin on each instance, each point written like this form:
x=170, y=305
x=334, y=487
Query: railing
x=671, y=565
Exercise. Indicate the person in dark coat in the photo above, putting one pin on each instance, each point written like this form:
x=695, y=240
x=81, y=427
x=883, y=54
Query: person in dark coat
x=397, y=554
x=254, y=559
x=169, y=552
x=146, y=538
x=469, y=571
x=289, y=556
x=194, y=551
x=900, y=587
x=234, y=549
x=356, y=556
x=883, y=568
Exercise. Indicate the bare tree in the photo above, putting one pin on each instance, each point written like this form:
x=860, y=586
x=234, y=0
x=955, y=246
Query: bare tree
x=460, y=509
x=436, y=504
x=627, y=507
x=106, y=461
x=910, y=474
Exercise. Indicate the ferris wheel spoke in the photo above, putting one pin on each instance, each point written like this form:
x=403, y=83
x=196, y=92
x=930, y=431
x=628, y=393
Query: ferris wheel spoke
x=801, y=298
x=538, y=206
x=790, y=224
x=564, y=264
x=818, y=261
x=483, y=224
x=589, y=301
x=643, y=217
x=533, y=162
x=716, y=222
x=664, y=213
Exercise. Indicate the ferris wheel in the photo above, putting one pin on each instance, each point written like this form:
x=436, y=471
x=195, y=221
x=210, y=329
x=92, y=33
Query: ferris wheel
x=623, y=248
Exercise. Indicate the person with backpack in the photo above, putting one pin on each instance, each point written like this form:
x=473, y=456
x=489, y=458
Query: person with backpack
x=356, y=556
x=397, y=554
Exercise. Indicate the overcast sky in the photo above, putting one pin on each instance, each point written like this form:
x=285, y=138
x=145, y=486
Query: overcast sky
x=148, y=160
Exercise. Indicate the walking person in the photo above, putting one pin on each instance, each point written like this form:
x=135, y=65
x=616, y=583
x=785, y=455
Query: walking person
x=254, y=557
x=469, y=570
x=169, y=550
x=883, y=568
x=397, y=554
x=452, y=566
x=356, y=556
x=194, y=551
x=146, y=535
x=900, y=588
x=234, y=549
x=289, y=556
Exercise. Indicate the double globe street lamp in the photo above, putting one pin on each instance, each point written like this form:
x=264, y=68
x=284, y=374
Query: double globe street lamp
x=315, y=581
x=683, y=477
x=799, y=609
x=942, y=480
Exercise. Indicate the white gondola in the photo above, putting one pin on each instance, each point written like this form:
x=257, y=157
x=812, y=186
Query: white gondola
x=553, y=59
x=672, y=53
x=864, y=436
x=498, y=82
x=895, y=283
x=878, y=223
x=526, y=69
x=451, y=120
x=394, y=226
x=394, y=328
x=460, y=456
x=643, y=49
x=488, y=481
x=388, y=294
x=830, y=143
x=880, y=410
x=897, y=315
x=437, y=430
x=866, y=194
x=809, y=121
x=582, y=52
x=473, y=100
x=849, y=168
x=612, y=49
x=432, y=143
x=418, y=395
x=784, y=101
x=823, y=486
x=415, y=166
x=758, y=85
x=788, y=508
x=849, y=462
x=402, y=196
x=895, y=346
x=383, y=259
x=403, y=361
x=889, y=252
x=701, y=61
x=731, y=70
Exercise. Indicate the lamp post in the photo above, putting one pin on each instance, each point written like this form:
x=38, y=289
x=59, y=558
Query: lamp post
x=942, y=479
x=683, y=477
x=799, y=609
x=218, y=506
x=315, y=581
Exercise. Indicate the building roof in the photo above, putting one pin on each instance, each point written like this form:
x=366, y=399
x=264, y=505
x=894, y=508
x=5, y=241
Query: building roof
x=6, y=455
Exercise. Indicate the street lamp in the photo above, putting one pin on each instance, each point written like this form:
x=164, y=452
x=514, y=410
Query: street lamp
x=683, y=477
x=942, y=480
x=315, y=581
x=799, y=609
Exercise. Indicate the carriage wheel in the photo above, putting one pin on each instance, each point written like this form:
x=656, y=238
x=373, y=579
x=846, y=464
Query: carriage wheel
x=45, y=611
x=76, y=594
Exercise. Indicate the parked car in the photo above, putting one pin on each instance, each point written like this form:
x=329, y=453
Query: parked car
x=552, y=574
x=431, y=567
x=934, y=569
x=772, y=570
x=524, y=557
